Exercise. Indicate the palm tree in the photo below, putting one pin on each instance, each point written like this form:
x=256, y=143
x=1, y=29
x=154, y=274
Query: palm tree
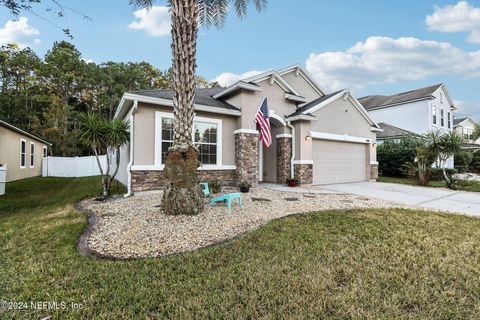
x=183, y=194
x=443, y=146
x=104, y=135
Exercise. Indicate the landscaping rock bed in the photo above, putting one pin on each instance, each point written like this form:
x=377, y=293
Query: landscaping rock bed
x=134, y=227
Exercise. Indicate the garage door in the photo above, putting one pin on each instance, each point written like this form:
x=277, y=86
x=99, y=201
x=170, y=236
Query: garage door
x=337, y=162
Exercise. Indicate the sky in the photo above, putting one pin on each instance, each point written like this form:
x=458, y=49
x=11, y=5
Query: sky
x=370, y=47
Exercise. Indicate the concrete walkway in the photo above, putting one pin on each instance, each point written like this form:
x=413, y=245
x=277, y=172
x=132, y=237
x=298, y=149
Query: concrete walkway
x=432, y=198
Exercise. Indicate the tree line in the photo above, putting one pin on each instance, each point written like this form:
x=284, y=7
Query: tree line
x=48, y=96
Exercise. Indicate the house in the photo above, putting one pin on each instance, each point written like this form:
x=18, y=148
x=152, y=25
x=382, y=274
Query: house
x=392, y=133
x=417, y=111
x=466, y=127
x=21, y=152
x=316, y=137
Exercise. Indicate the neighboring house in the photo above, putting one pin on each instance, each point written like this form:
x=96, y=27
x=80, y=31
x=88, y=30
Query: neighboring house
x=317, y=137
x=21, y=152
x=393, y=133
x=466, y=127
x=418, y=111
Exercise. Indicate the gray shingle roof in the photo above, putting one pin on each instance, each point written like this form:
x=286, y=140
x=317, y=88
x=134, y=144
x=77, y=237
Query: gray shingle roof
x=371, y=102
x=313, y=103
x=202, y=97
x=390, y=131
x=457, y=121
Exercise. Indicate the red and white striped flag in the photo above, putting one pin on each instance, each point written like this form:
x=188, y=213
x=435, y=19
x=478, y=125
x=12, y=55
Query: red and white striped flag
x=263, y=120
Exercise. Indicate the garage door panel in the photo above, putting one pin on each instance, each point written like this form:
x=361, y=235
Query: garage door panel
x=338, y=162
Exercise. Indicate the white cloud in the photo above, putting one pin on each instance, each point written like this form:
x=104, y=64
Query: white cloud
x=155, y=21
x=461, y=17
x=386, y=60
x=468, y=109
x=225, y=79
x=19, y=32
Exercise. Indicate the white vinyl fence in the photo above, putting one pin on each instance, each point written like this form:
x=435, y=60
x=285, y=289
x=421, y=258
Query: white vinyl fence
x=72, y=166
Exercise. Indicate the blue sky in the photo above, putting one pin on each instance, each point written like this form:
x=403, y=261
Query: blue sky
x=371, y=47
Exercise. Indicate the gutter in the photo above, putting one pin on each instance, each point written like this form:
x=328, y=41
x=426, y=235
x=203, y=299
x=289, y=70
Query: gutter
x=130, y=163
x=292, y=171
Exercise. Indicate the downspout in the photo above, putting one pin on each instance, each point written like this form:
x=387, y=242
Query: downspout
x=292, y=171
x=130, y=163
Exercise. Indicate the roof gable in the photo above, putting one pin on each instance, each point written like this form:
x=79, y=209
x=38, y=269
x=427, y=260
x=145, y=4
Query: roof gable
x=324, y=101
x=23, y=132
x=461, y=121
x=299, y=70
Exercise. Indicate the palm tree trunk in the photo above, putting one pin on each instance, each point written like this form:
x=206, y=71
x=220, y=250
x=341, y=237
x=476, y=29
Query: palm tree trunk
x=183, y=194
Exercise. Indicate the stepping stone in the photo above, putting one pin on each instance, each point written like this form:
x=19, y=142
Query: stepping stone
x=261, y=200
x=291, y=199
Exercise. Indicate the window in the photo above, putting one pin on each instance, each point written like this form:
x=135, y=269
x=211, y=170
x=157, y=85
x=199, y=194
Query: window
x=468, y=133
x=449, y=119
x=205, y=138
x=442, y=118
x=44, y=152
x=32, y=154
x=166, y=137
x=434, y=114
x=23, y=153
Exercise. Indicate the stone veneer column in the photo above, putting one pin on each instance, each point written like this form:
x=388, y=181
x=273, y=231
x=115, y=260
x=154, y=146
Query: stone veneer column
x=284, y=156
x=374, y=171
x=246, y=157
x=304, y=173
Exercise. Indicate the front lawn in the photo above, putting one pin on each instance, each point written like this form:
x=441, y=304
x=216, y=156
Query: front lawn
x=469, y=186
x=358, y=264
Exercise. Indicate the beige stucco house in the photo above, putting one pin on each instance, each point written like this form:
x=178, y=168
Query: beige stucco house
x=318, y=137
x=21, y=152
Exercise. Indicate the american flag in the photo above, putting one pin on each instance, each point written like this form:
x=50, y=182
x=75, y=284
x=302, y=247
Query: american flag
x=263, y=121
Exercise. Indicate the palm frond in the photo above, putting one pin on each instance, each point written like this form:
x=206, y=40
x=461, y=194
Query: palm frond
x=142, y=3
x=214, y=12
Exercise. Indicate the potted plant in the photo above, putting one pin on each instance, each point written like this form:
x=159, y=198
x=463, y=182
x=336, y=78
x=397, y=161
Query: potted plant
x=292, y=182
x=244, y=186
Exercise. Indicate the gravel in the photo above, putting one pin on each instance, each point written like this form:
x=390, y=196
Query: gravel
x=134, y=227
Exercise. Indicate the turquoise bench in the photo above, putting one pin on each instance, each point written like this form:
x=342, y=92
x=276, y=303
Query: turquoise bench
x=227, y=198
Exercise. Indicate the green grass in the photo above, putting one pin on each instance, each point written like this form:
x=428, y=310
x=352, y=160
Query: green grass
x=470, y=186
x=360, y=264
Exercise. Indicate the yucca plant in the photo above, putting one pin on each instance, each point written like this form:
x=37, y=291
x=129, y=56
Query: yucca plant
x=183, y=194
x=104, y=135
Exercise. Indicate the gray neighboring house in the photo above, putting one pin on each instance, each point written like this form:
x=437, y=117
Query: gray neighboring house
x=417, y=111
x=393, y=133
x=466, y=127
x=318, y=137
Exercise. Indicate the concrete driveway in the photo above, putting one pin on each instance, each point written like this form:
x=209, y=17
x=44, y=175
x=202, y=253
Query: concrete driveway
x=447, y=200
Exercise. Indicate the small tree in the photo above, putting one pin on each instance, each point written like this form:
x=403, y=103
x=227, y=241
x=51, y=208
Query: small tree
x=476, y=132
x=104, y=135
x=443, y=146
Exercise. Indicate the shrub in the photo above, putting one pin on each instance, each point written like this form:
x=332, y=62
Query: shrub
x=215, y=186
x=392, y=156
x=475, y=164
x=463, y=159
x=437, y=173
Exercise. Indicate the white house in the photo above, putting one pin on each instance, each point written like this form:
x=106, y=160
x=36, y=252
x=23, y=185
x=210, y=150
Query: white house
x=466, y=127
x=417, y=111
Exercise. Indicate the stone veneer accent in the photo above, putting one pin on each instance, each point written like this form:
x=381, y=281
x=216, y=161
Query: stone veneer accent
x=246, y=157
x=303, y=173
x=284, y=155
x=154, y=180
x=374, y=171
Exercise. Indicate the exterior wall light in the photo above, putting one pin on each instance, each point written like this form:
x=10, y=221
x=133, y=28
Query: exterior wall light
x=374, y=145
x=308, y=138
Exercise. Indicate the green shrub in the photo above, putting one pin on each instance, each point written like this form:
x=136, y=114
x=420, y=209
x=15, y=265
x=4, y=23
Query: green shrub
x=392, y=156
x=437, y=173
x=463, y=159
x=475, y=164
x=215, y=186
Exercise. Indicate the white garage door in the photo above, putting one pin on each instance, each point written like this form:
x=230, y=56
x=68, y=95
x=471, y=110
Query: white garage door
x=337, y=162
